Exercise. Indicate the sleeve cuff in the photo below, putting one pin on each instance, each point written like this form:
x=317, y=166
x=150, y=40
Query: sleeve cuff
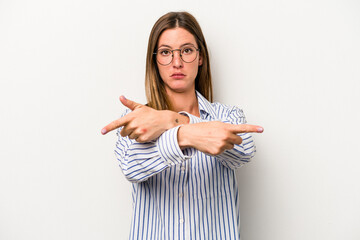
x=192, y=118
x=169, y=149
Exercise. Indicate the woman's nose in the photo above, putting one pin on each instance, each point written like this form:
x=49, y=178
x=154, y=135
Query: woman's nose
x=177, y=61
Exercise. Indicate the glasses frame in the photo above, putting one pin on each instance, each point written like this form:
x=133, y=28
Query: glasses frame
x=172, y=55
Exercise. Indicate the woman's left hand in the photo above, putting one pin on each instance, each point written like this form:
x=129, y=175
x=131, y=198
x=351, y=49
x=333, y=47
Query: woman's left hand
x=144, y=124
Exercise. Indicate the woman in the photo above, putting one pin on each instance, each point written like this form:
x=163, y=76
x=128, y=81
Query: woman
x=180, y=150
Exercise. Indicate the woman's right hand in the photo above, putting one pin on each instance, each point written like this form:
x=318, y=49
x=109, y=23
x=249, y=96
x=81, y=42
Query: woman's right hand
x=143, y=123
x=213, y=137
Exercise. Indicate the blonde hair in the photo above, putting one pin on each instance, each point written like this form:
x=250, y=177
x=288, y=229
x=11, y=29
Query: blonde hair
x=154, y=86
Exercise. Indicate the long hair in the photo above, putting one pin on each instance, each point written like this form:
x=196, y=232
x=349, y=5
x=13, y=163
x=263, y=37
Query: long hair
x=154, y=85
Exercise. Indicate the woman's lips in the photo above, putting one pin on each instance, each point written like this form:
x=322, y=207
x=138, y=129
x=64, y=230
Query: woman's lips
x=178, y=76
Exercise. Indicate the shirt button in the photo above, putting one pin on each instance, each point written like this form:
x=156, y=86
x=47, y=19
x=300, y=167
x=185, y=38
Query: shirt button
x=183, y=169
x=169, y=162
x=181, y=220
x=181, y=195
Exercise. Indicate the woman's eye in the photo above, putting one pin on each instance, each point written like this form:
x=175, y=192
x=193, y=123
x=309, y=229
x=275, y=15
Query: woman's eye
x=187, y=50
x=164, y=52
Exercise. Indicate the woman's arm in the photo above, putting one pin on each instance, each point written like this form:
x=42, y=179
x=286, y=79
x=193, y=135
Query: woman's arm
x=139, y=161
x=147, y=140
x=229, y=139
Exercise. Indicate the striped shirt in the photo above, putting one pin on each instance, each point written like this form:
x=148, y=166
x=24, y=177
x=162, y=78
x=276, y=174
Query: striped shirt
x=185, y=194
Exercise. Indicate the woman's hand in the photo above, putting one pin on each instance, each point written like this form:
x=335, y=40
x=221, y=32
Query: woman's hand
x=213, y=137
x=144, y=124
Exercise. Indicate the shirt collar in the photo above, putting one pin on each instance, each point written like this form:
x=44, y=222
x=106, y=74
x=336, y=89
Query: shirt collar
x=205, y=106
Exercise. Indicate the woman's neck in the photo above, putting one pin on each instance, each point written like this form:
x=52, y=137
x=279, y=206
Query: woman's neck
x=185, y=102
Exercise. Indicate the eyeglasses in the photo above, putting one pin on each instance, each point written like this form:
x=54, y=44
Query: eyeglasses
x=188, y=54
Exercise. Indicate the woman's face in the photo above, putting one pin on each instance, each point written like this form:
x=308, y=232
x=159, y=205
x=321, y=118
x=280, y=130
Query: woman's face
x=178, y=76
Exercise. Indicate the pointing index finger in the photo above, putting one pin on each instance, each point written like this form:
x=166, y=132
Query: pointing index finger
x=115, y=124
x=246, y=128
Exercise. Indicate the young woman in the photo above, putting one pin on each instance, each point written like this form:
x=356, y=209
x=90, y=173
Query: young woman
x=180, y=150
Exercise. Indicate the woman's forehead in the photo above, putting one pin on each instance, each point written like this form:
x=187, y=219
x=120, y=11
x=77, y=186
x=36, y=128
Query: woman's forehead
x=176, y=37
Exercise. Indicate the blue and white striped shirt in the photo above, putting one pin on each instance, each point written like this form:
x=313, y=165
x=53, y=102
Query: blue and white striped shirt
x=185, y=194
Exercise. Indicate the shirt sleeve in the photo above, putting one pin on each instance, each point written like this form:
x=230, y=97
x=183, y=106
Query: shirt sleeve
x=241, y=153
x=139, y=161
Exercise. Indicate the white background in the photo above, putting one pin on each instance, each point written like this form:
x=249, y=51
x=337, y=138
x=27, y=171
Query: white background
x=293, y=66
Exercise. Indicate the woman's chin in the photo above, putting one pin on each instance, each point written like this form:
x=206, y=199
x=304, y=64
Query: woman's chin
x=179, y=89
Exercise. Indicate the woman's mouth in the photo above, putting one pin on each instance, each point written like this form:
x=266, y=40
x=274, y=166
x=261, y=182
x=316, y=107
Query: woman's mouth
x=178, y=75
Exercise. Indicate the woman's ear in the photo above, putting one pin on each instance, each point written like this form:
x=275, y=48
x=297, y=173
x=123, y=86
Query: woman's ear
x=200, y=60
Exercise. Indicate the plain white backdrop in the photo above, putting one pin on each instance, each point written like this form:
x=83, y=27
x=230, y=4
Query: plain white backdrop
x=293, y=66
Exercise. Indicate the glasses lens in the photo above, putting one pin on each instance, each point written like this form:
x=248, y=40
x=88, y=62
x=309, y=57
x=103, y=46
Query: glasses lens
x=188, y=54
x=164, y=56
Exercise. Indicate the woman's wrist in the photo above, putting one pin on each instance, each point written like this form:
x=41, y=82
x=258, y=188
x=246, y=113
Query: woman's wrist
x=183, y=136
x=176, y=119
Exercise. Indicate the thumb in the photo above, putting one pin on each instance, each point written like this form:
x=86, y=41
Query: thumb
x=129, y=104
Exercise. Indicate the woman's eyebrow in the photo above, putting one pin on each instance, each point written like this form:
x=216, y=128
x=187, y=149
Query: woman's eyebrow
x=187, y=44
x=164, y=45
